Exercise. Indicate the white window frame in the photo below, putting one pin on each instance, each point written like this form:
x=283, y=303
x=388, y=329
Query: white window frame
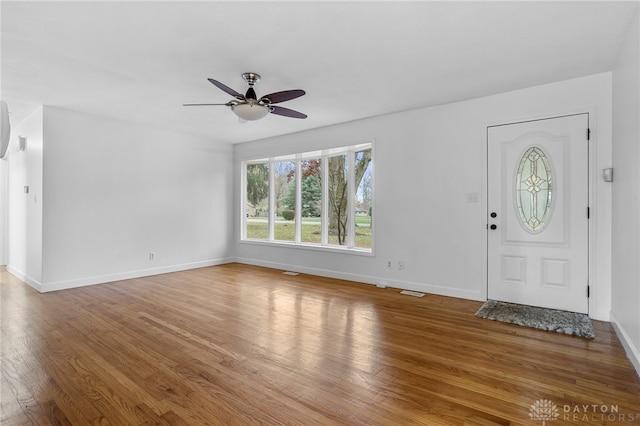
x=324, y=156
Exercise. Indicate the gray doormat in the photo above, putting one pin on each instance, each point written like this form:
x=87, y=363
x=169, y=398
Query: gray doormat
x=542, y=318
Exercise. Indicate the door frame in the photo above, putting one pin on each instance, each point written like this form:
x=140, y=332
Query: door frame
x=596, y=297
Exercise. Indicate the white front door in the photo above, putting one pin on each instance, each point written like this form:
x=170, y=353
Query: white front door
x=537, y=200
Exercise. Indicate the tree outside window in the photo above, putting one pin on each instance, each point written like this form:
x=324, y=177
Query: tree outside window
x=257, y=201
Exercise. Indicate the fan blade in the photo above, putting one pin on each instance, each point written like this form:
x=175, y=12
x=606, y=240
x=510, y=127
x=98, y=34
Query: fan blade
x=286, y=95
x=226, y=89
x=203, y=104
x=278, y=110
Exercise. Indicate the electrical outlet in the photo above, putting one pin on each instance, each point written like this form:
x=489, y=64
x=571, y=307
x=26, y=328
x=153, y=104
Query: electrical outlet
x=389, y=264
x=152, y=256
x=400, y=265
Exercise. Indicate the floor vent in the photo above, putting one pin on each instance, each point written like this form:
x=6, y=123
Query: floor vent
x=412, y=293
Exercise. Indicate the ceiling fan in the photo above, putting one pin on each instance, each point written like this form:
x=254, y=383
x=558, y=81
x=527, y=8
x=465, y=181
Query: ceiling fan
x=249, y=107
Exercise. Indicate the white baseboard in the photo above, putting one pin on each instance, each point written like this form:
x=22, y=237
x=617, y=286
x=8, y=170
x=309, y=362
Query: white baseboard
x=400, y=284
x=25, y=278
x=632, y=352
x=404, y=285
x=101, y=279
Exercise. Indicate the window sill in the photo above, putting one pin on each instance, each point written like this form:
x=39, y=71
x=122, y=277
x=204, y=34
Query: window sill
x=312, y=247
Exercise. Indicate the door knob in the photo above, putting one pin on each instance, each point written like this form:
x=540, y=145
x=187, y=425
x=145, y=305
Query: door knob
x=494, y=226
x=494, y=214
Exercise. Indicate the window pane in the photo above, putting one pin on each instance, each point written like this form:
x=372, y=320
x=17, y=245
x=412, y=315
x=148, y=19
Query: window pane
x=311, y=201
x=363, y=196
x=534, y=189
x=257, y=202
x=285, y=195
x=337, y=170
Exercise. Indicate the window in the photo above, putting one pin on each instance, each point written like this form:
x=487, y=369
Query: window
x=315, y=199
x=534, y=189
x=284, y=184
x=257, y=176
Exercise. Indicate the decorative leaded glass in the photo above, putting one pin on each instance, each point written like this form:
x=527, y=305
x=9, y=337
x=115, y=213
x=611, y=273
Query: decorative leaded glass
x=534, y=189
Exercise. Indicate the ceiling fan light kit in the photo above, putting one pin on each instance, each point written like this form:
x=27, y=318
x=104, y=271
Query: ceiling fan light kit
x=250, y=111
x=249, y=108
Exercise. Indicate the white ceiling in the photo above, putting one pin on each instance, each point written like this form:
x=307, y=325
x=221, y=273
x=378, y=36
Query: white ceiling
x=140, y=61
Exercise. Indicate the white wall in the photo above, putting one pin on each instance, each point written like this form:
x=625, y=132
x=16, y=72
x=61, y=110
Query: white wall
x=4, y=209
x=426, y=163
x=625, y=306
x=114, y=192
x=24, y=257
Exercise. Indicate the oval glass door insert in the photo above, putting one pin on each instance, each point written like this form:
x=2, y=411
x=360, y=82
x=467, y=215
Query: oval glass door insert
x=534, y=189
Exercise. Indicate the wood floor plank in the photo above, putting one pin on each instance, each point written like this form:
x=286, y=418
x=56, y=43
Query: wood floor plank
x=240, y=345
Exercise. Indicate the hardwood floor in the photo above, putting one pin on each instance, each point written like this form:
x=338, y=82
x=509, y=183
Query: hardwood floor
x=238, y=344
